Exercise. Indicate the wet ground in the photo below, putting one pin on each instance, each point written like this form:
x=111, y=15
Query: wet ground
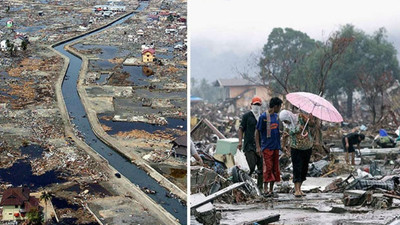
x=20, y=173
x=321, y=208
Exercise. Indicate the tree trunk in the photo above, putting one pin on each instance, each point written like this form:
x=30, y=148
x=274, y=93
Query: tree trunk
x=373, y=114
x=349, y=112
x=336, y=102
x=382, y=105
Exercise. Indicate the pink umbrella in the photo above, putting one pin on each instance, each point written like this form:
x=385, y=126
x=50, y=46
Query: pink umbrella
x=315, y=105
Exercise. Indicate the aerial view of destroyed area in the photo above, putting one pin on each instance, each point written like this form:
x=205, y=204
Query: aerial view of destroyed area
x=93, y=112
x=294, y=119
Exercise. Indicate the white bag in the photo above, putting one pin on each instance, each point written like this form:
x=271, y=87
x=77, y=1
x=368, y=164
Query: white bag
x=240, y=161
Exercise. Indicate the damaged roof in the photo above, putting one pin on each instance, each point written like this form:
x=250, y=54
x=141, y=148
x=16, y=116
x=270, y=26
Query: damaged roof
x=181, y=141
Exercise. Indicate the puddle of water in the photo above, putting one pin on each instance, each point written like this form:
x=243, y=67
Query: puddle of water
x=128, y=126
x=74, y=188
x=21, y=174
x=137, y=75
x=102, y=64
x=4, y=87
x=169, y=54
x=61, y=203
x=34, y=151
x=107, y=52
x=103, y=78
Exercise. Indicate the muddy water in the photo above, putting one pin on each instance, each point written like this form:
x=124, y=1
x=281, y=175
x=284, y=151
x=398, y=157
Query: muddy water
x=124, y=166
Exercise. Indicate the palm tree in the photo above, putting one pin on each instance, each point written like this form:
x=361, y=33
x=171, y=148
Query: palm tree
x=46, y=196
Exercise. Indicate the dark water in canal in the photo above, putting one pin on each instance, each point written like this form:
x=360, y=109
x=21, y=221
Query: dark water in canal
x=124, y=166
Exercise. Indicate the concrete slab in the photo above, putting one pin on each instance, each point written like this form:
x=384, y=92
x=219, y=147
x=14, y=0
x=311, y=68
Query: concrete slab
x=121, y=210
x=102, y=104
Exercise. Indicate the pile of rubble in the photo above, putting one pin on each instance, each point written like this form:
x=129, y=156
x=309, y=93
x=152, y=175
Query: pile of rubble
x=372, y=184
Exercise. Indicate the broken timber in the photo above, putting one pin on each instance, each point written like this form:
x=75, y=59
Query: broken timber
x=265, y=221
x=211, y=197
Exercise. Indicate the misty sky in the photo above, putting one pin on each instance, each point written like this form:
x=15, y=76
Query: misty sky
x=224, y=33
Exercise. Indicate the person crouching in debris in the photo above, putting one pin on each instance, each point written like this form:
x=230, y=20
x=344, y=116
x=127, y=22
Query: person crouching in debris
x=268, y=132
x=383, y=140
x=348, y=141
x=300, y=144
x=248, y=128
x=193, y=152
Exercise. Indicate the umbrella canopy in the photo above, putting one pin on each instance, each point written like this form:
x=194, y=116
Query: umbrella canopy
x=316, y=105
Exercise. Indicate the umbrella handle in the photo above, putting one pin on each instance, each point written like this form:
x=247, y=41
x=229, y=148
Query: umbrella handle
x=302, y=132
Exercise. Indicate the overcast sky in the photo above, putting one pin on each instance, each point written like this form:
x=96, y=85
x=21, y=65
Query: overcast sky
x=224, y=33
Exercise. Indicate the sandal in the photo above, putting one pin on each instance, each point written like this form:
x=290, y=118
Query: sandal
x=297, y=196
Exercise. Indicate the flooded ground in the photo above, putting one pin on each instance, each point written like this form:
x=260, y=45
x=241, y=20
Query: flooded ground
x=116, y=127
x=20, y=173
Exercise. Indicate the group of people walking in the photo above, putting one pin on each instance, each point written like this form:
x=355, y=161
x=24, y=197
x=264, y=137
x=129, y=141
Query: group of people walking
x=262, y=141
x=265, y=133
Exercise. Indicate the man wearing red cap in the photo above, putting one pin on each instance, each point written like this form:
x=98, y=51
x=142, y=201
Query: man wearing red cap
x=248, y=127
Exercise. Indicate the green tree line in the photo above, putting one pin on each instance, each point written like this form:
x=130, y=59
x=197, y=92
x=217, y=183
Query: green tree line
x=349, y=60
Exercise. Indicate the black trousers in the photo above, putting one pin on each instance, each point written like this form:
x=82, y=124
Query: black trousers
x=300, y=160
x=351, y=147
x=254, y=159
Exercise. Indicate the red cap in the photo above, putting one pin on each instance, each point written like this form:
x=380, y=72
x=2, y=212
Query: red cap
x=256, y=100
